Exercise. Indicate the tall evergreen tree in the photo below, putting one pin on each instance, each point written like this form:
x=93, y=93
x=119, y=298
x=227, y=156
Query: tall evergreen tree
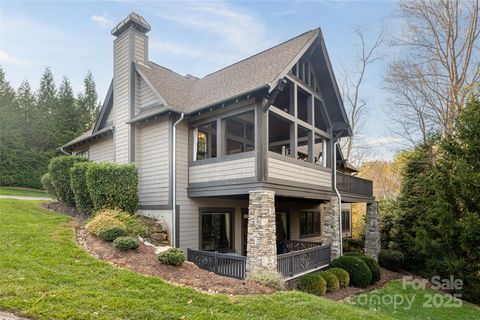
x=26, y=104
x=66, y=113
x=9, y=133
x=45, y=128
x=88, y=101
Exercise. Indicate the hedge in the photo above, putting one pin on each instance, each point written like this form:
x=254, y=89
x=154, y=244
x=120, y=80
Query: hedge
x=59, y=170
x=113, y=186
x=391, y=259
x=360, y=274
x=312, y=283
x=78, y=183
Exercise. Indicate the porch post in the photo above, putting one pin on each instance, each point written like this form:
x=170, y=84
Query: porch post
x=261, y=236
x=372, y=231
x=331, y=226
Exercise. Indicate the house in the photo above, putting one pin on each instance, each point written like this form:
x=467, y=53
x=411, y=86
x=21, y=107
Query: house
x=242, y=161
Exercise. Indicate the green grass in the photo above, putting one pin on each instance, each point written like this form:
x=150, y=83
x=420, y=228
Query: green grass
x=415, y=303
x=44, y=274
x=12, y=191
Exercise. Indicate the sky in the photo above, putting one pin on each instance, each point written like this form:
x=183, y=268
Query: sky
x=195, y=37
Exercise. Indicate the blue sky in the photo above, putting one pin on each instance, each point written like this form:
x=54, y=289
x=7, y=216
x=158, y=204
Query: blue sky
x=191, y=37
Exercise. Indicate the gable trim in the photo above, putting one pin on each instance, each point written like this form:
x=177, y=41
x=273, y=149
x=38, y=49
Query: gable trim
x=107, y=104
x=150, y=85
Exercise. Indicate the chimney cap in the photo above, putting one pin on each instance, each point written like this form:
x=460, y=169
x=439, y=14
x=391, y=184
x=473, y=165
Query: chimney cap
x=132, y=20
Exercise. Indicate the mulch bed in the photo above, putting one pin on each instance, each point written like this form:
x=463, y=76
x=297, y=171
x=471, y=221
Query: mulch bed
x=144, y=260
x=347, y=293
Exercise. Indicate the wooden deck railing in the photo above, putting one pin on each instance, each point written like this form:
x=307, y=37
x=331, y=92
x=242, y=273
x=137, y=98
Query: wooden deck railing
x=228, y=265
x=354, y=185
x=301, y=261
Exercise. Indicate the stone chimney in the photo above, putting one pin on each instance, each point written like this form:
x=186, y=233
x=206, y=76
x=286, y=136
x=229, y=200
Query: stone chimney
x=130, y=44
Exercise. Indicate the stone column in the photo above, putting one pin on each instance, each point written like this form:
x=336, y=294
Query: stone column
x=372, y=231
x=261, y=236
x=331, y=226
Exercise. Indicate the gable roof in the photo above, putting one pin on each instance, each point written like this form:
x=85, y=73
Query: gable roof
x=188, y=94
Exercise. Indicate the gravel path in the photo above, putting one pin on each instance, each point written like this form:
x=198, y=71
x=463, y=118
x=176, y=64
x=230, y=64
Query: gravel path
x=24, y=198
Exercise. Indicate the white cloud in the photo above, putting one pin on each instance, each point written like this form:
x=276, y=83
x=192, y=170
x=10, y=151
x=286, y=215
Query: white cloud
x=176, y=48
x=7, y=58
x=102, y=21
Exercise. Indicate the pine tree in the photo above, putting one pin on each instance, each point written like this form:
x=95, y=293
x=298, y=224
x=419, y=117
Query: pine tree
x=66, y=113
x=88, y=101
x=9, y=133
x=26, y=103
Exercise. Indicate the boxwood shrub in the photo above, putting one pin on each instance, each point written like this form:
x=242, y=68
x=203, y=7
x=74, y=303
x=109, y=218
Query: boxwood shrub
x=47, y=184
x=353, y=245
x=360, y=274
x=371, y=263
x=113, y=185
x=126, y=243
x=172, y=256
x=110, y=233
x=78, y=183
x=59, y=170
x=391, y=259
x=342, y=276
x=312, y=283
x=331, y=280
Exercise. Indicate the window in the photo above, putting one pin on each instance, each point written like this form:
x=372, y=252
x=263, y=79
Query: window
x=320, y=151
x=345, y=220
x=240, y=133
x=216, y=230
x=309, y=224
x=205, y=138
x=279, y=134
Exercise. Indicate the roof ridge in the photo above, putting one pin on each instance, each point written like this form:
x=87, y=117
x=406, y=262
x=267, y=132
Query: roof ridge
x=263, y=51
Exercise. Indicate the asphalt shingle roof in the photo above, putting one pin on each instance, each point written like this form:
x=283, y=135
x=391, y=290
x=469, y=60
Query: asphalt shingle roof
x=187, y=94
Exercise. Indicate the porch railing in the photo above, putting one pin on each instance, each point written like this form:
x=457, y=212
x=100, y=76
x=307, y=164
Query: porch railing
x=228, y=265
x=354, y=185
x=299, y=262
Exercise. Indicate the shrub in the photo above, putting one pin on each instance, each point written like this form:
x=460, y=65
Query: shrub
x=353, y=245
x=268, y=279
x=100, y=221
x=78, y=183
x=113, y=185
x=331, y=280
x=360, y=275
x=110, y=233
x=47, y=184
x=172, y=256
x=342, y=276
x=126, y=243
x=372, y=265
x=134, y=225
x=59, y=170
x=391, y=259
x=312, y=283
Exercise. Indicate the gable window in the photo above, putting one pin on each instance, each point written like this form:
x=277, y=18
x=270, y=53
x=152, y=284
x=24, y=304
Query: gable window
x=216, y=230
x=345, y=220
x=309, y=224
x=240, y=133
x=205, y=141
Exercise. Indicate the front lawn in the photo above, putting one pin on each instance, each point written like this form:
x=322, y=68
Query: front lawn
x=44, y=274
x=408, y=302
x=13, y=191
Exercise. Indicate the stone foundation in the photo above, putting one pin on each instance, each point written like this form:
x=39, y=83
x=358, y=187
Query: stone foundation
x=331, y=226
x=372, y=231
x=261, y=237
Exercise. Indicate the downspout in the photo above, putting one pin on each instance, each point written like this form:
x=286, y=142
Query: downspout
x=339, y=196
x=174, y=180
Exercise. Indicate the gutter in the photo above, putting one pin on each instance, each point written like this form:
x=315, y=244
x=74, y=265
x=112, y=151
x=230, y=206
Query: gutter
x=339, y=196
x=174, y=180
x=65, y=152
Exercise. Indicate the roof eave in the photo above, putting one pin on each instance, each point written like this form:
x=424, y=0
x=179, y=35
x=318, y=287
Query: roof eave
x=93, y=136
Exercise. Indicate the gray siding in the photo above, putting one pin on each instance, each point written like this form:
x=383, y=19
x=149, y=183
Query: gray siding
x=144, y=96
x=284, y=170
x=152, y=159
x=101, y=150
x=224, y=170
